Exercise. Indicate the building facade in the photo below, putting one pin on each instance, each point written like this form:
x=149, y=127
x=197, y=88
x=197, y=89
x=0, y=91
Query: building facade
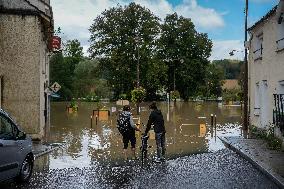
x=266, y=71
x=25, y=31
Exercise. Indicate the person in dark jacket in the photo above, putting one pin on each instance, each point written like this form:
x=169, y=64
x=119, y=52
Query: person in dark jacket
x=156, y=119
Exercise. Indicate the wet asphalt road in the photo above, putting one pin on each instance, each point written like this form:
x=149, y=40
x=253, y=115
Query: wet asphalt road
x=221, y=169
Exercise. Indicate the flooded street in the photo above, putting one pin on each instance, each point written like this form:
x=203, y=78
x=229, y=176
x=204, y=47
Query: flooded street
x=187, y=124
x=91, y=156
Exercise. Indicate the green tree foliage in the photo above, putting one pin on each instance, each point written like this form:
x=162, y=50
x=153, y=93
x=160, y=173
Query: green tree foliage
x=60, y=72
x=138, y=94
x=214, y=80
x=231, y=68
x=73, y=53
x=62, y=67
x=186, y=53
x=119, y=37
x=85, y=75
x=88, y=81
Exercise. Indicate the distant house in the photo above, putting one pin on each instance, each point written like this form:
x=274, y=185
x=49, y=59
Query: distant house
x=25, y=30
x=266, y=70
x=230, y=84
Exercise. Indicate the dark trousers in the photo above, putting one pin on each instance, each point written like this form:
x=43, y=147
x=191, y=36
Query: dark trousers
x=161, y=146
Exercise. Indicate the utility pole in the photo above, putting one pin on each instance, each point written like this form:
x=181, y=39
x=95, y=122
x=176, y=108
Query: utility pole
x=245, y=127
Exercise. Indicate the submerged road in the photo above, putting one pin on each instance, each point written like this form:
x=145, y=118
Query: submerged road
x=221, y=169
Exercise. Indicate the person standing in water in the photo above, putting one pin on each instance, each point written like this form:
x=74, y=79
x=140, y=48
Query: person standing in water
x=156, y=119
x=126, y=127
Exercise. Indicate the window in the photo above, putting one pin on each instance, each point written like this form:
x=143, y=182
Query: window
x=280, y=32
x=6, y=128
x=258, y=47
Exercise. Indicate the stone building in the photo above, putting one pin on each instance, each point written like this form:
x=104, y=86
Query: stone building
x=266, y=71
x=25, y=31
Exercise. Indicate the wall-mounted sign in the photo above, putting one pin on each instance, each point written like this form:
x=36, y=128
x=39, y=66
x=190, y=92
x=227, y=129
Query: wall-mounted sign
x=55, y=87
x=55, y=43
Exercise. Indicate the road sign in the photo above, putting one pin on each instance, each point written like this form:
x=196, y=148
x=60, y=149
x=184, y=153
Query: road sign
x=55, y=87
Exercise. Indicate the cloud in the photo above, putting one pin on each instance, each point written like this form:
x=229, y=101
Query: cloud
x=201, y=17
x=221, y=50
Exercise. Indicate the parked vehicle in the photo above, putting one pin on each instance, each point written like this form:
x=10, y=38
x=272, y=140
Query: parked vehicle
x=16, y=157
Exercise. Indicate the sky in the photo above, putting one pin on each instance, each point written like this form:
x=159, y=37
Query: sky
x=223, y=20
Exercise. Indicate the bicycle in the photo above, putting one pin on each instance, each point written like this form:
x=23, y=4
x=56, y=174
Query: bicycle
x=144, y=149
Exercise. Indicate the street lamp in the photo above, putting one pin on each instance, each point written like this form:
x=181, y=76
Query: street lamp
x=232, y=53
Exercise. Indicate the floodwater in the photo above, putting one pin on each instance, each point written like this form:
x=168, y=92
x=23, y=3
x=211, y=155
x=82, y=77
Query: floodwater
x=86, y=143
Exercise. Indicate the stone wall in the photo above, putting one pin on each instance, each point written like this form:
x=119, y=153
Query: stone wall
x=22, y=54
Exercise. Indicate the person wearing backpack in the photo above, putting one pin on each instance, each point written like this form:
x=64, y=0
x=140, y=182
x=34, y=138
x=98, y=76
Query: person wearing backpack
x=156, y=119
x=126, y=127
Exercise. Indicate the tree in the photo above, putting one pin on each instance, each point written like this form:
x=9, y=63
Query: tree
x=214, y=80
x=88, y=80
x=231, y=68
x=117, y=35
x=186, y=53
x=73, y=53
x=60, y=72
x=62, y=67
x=85, y=74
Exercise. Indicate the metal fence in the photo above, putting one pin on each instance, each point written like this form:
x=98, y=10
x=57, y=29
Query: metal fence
x=278, y=111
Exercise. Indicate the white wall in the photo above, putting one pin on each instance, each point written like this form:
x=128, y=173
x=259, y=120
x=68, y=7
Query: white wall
x=267, y=72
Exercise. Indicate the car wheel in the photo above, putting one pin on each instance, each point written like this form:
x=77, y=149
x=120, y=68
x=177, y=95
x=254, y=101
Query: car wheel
x=26, y=170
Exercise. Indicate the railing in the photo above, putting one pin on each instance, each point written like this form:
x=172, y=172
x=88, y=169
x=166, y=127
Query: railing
x=278, y=111
x=258, y=53
x=280, y=44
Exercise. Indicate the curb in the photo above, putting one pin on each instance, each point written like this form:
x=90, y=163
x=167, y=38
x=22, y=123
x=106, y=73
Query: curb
x=276, y=178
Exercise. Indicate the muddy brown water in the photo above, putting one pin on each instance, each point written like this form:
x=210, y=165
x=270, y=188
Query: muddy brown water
x=188, y=126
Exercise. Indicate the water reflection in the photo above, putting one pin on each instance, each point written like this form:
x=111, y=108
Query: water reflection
x=85, y=144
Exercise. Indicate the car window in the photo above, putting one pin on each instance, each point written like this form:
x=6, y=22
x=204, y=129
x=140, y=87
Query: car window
x=6, y=128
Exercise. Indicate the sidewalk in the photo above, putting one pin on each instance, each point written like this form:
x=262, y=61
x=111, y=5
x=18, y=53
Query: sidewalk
x=40, y=149
x=270, y=162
